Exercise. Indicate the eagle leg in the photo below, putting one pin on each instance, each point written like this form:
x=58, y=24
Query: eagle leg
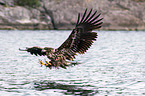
x=41, y=63
x=47, y=64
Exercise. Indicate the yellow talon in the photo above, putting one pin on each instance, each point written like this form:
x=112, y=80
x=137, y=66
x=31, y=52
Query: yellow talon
x=47, y=63
x=40, y=62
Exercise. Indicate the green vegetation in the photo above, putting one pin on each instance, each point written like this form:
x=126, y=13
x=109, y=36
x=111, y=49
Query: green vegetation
x=29, y=3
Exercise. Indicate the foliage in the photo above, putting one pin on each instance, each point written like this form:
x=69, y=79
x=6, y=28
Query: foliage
x=29, y=3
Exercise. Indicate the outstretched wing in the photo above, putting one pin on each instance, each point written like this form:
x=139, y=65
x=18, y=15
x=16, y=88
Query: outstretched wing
x=35, y=50
x=82, y=36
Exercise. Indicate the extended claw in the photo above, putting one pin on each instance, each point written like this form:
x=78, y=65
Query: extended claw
x=40, y=62
x=47, y=63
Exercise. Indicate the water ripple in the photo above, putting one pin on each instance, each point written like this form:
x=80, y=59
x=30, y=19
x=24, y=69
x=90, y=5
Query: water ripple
x=113, y=66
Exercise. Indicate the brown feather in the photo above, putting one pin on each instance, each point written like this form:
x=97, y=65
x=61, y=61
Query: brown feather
x=78, y=42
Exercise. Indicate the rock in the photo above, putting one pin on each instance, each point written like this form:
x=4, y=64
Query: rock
x=62, y=14
x=7, y=2
x=22, y=18
x=125, y=14
x=117, y=14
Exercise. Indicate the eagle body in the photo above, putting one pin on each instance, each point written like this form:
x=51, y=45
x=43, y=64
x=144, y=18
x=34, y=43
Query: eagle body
x=78, y=42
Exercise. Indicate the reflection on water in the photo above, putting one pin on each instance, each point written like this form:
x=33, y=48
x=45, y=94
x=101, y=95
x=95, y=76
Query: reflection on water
x=65, y=89
x=113, y=66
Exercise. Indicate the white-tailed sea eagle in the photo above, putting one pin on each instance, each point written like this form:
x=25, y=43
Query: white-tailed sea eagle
x=80, y=39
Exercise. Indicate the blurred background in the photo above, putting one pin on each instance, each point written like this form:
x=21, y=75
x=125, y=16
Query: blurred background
x=62, y=14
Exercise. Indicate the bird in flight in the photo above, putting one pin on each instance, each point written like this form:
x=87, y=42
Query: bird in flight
x=78, y=42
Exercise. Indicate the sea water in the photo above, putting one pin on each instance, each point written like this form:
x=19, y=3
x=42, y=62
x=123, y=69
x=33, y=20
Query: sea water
x=113, y=66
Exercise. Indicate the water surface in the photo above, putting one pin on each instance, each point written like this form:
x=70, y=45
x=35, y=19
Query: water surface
x=113, y=66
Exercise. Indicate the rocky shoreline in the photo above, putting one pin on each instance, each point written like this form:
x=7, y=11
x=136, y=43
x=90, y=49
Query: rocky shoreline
x=62, y=14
